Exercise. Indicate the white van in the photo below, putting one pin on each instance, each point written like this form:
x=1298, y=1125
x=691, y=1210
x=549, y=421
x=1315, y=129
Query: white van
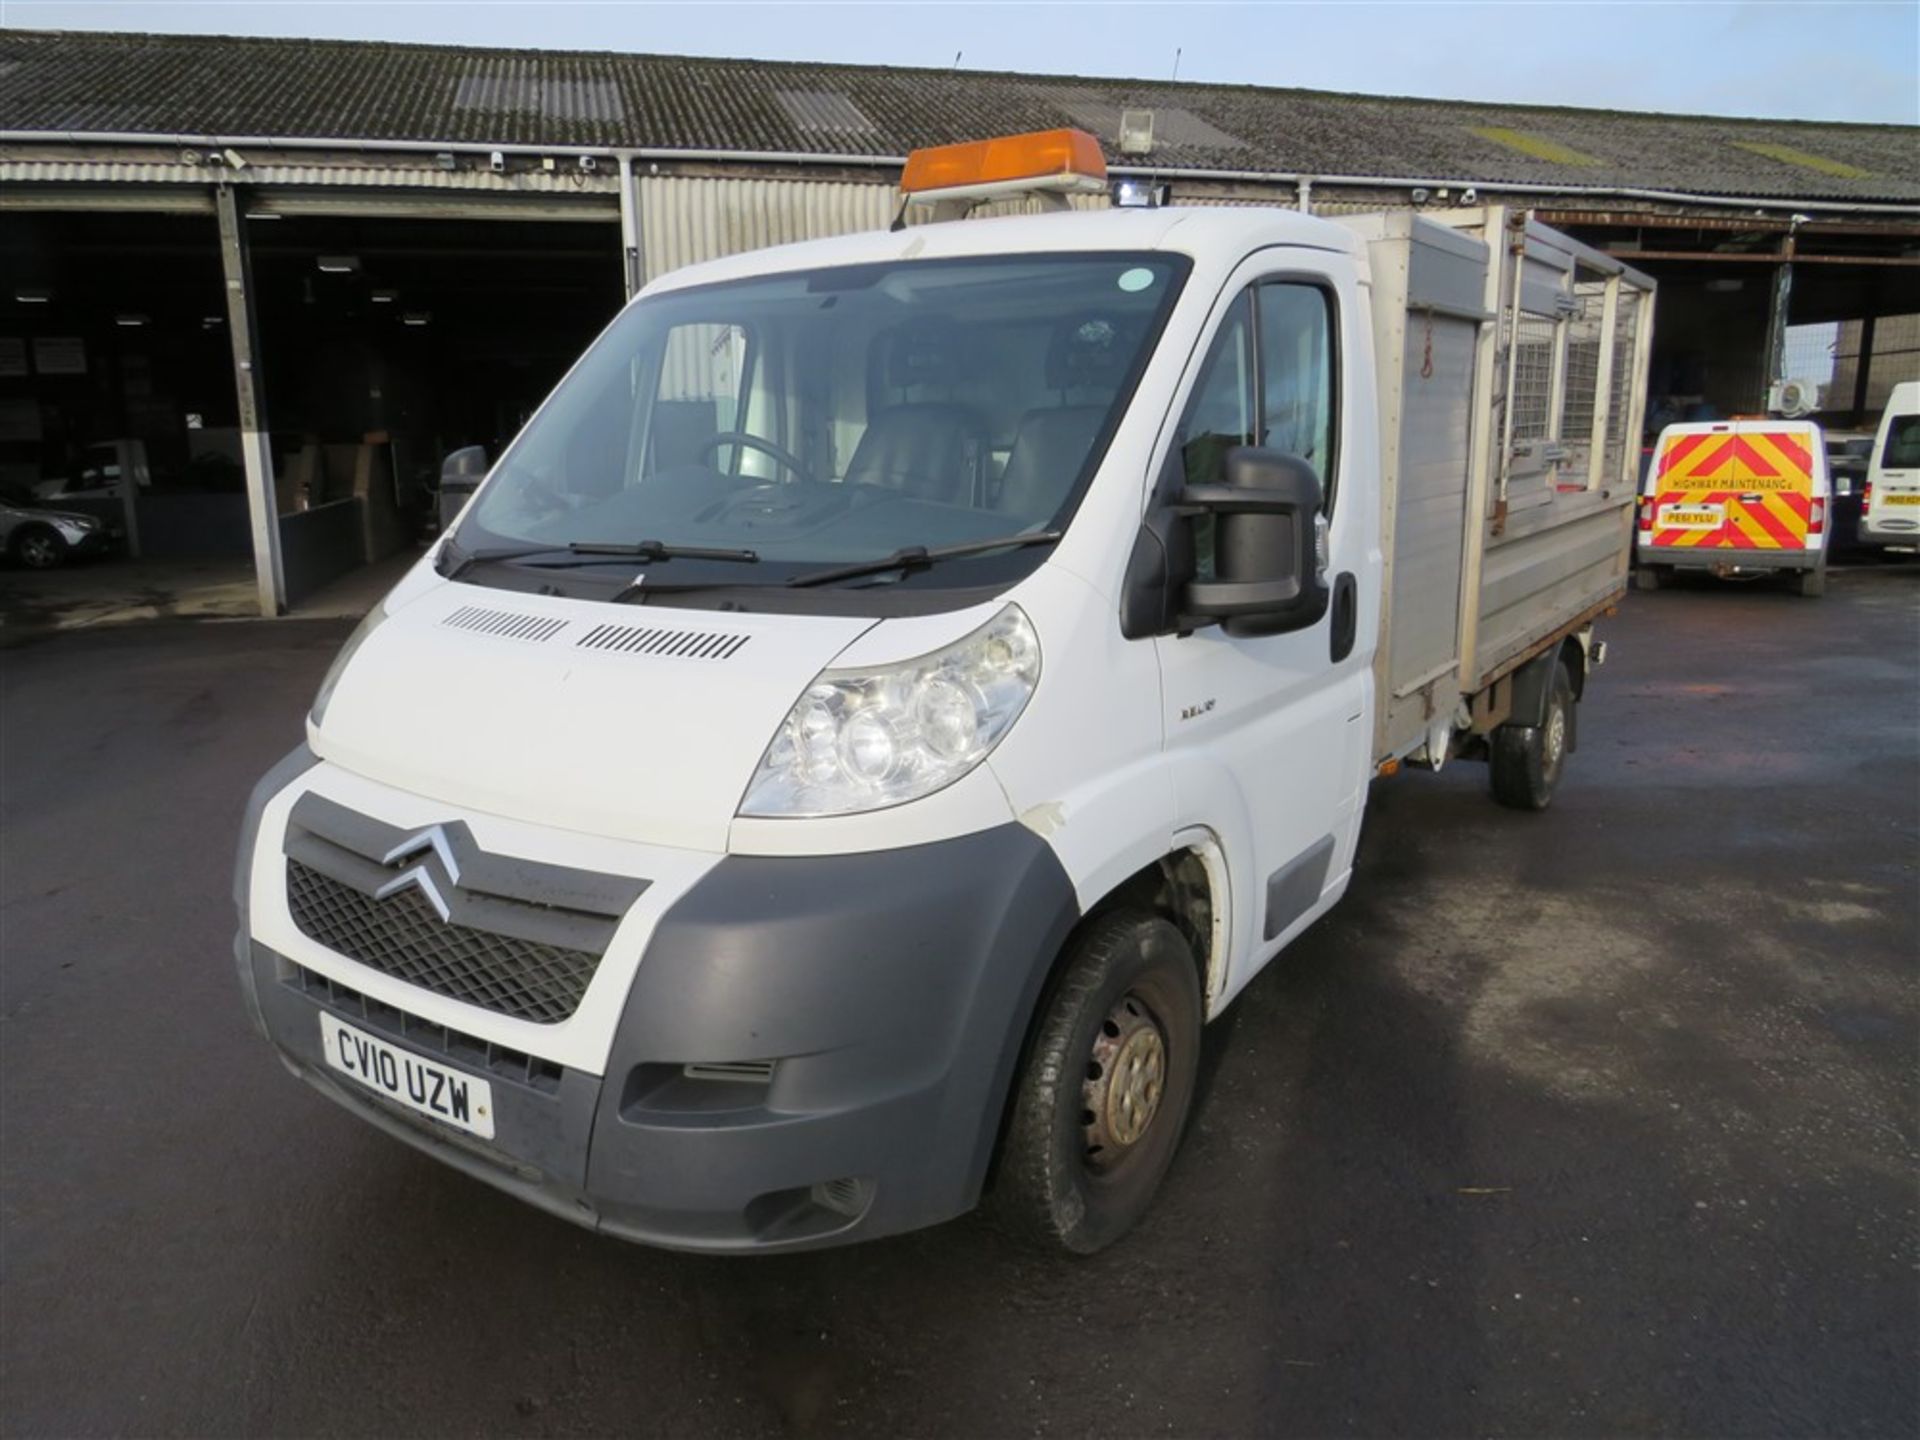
x=899, y=687
x=1890, y=510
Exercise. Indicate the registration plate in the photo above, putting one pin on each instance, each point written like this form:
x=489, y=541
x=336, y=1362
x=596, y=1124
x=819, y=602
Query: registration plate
x=1701, y=517
x=1913, y=499
x=451, y=1096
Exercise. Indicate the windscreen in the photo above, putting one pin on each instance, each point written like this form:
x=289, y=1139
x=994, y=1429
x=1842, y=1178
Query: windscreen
x=835, y=416
x=1902, y=451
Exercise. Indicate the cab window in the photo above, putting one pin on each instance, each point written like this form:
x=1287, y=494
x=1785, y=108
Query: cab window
x=1296, y=375
x=1268, y=380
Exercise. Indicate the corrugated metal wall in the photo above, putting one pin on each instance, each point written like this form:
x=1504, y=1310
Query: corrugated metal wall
x=685, y=219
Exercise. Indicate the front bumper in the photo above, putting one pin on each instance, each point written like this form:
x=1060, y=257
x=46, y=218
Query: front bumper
x=875, y=1004
x=1896, y=529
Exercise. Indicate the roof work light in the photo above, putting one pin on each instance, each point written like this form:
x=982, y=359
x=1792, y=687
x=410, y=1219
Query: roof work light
x=1050, y=164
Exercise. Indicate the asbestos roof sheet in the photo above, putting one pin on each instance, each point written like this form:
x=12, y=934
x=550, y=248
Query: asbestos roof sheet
x=69, y=81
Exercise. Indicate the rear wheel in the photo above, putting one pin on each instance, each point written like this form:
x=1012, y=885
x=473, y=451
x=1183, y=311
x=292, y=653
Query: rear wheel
x=38, y=547
x=1526, y=760
x=1812, y=582
x=1649, y=577
x=1100, y=1104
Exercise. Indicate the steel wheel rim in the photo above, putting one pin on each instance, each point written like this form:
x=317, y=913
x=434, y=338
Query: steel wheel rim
x=1125, y=1081
x=1556, y=737
x=37, y=551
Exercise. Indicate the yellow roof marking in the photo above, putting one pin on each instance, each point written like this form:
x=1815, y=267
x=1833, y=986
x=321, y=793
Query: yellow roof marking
x=1538, y=146
x=1787, y=155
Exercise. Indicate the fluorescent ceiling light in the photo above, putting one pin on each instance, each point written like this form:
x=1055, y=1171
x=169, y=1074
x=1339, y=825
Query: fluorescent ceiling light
x=415, y=317
x=339, y=264
x=263, y=215
x=384, y=297
x=32, y=296
x=130, y=321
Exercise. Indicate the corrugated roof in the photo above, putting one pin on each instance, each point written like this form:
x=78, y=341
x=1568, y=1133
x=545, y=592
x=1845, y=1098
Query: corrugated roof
x=170, y=84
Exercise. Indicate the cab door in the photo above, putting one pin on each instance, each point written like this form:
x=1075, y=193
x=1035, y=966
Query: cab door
x=1267, y=736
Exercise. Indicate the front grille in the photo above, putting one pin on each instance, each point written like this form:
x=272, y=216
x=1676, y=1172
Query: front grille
x=469, y=1052
x=403, y=936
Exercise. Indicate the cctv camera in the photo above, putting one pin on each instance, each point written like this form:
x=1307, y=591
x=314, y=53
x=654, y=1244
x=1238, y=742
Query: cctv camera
x=497, y=162
x=587, y=162
x=1419, y=197
x=235, y=159
x=1469, y=195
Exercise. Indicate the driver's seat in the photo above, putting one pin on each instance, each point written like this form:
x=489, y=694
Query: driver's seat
x=925, y=450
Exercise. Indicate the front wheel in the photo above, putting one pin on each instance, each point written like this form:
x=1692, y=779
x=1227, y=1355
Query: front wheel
x=1099, y=1106
x=39, y=548
x=1526, y=760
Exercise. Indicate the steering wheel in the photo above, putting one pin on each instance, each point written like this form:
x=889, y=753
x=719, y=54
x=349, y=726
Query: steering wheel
x=753, y=442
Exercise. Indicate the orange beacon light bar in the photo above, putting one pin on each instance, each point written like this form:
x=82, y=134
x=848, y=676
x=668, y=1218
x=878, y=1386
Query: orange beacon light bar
x=1056, y=162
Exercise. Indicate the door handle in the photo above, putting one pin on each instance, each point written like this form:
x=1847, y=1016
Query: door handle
x=1346, y=615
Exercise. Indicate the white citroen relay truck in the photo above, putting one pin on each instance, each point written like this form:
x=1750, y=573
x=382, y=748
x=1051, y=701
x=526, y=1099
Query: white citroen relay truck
x=899, y=688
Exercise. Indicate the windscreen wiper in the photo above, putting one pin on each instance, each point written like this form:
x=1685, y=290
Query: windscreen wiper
x=470, y=558
x=918, y=557
x=594, y=552
x=660, y=550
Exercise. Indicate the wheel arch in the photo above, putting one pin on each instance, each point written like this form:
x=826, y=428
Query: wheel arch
x=1187, y=886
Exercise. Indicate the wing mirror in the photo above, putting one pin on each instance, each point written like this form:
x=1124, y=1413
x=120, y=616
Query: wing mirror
x=460, y=475
x=1269, y=545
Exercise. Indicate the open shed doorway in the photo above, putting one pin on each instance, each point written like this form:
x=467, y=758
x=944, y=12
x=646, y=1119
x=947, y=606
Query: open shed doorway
x=387, y=342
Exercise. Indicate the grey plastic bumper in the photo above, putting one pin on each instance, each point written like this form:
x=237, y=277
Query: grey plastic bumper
x=1733, y=560
x=890, y=991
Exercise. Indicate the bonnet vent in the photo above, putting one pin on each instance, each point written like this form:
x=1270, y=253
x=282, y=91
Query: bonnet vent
x=504, y=623
x=679, y=644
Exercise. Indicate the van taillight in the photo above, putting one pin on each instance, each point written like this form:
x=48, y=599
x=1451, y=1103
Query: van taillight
x=1866, y=495
x=1646, y=512
x=1816, y=517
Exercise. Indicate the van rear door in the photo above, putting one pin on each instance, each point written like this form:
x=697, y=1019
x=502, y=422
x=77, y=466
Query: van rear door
x=1738, y=485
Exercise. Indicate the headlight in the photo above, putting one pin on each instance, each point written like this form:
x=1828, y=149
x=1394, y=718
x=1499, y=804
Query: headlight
x=866, y=739
x=334, y=671
x=78, y=526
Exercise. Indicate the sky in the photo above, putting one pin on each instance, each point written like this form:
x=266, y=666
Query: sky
x=1795, y=59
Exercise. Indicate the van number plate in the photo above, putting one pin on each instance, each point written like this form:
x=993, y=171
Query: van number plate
x=1692, y=517
x=1901, y=499
x=460, y=1100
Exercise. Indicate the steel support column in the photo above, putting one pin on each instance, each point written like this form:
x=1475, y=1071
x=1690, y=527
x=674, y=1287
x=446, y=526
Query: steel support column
x=632, y=272
x=256, y=451
x=1863, y=366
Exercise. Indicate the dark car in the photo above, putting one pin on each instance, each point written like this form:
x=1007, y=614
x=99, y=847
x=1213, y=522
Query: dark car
x=1848, y=456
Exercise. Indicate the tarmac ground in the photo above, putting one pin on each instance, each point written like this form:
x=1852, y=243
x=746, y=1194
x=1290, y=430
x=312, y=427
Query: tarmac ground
x=1595, y=1122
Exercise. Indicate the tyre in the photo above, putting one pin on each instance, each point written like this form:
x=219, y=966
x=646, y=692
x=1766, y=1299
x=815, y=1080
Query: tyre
x=1649, y=577
x=1100, y=1104
x=1526, y=760
x=38, y=547
x=1811, y=582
